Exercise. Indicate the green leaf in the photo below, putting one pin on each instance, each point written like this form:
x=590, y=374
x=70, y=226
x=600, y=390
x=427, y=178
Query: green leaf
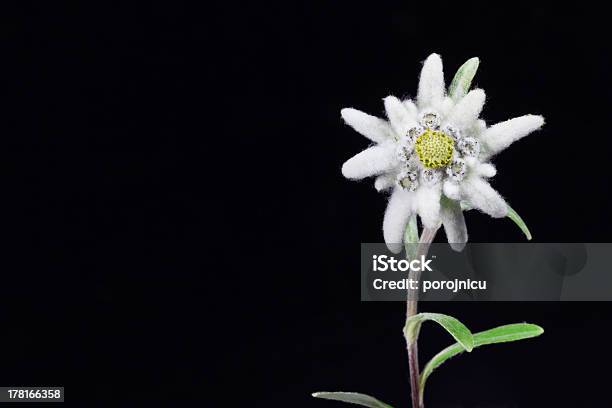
x=463, y=79
x=352, y=398
x=501, y=334
x=507, y=333
x=513, y=215
x=456, y=329
x=411, y=237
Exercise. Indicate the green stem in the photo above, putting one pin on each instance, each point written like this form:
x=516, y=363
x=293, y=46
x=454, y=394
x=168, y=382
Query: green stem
x=427, y=237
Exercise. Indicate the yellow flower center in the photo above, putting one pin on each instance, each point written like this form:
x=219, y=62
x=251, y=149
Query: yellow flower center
x=434, y=148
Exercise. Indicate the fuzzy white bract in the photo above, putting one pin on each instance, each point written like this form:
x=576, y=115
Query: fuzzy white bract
x=433, y=153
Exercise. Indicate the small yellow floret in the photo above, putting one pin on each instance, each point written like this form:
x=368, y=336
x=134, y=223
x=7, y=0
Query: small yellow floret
x=434, y=148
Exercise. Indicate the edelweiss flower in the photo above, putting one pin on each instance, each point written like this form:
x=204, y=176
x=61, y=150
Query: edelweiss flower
x=435, y=155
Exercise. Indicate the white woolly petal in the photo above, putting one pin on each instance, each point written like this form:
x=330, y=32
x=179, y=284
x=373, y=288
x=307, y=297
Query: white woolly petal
x=431, y=84
x=467, y=109
x=398, y=115
x=478, y=128
x=446, y=106
x=384, y=182
x=479, y=194
x=427, y=200
x=471, y=162
x=375, y=129
x=451, y=190
x=499, y=136
x=372, y=161
x=486, y=170
x=397, y=215
x=412, y=109
x=454, y=225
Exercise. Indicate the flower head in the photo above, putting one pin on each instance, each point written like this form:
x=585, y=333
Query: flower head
x=434, y=154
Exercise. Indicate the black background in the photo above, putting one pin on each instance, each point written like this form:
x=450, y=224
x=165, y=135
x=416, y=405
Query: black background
x=178, y=231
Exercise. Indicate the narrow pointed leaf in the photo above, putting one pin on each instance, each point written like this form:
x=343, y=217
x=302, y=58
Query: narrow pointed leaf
x=463, y=79
x=456, y=329
x=513, y=215
x=352, y=398
x=411, y=237
x=501, y=334
x=412, y=231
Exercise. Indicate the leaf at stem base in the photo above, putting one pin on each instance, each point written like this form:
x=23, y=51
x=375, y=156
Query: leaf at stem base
x=352, y=398
x=456, y=329
x=501, y=334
